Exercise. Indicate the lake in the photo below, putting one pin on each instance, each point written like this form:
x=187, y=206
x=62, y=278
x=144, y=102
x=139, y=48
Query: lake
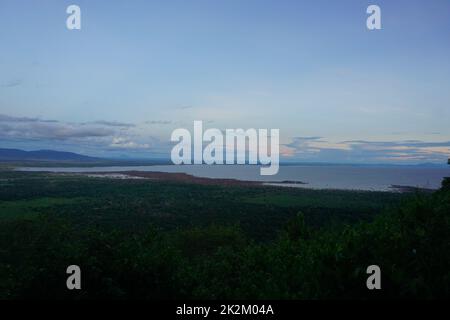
x=349, y=177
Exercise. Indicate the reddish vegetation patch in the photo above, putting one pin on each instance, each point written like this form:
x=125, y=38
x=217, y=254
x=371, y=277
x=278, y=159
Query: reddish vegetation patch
x=183, y=177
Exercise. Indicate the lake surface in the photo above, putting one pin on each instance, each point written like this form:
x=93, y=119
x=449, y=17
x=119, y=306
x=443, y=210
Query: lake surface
x=376, y=178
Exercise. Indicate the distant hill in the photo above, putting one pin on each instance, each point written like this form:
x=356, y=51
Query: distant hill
x=42, y=155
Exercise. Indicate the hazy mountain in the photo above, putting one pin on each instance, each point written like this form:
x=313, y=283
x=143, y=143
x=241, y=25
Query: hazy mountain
x=42, y=155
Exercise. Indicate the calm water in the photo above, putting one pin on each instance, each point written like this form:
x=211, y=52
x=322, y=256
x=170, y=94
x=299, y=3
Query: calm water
x=317, y=177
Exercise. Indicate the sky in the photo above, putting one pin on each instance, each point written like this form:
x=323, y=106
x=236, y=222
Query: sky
x=137, y=70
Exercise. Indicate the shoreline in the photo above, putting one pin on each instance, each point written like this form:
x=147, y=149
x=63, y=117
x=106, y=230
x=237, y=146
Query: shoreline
x=167, y=176
x=187, y=178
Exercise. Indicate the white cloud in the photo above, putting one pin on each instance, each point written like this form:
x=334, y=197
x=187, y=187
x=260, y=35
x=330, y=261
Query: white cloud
x=125, y=143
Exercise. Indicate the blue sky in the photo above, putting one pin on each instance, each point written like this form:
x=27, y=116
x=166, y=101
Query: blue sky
x=139, y=69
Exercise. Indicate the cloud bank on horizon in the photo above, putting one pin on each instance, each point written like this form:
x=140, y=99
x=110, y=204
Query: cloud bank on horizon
x=114, y=139
x=136, y=71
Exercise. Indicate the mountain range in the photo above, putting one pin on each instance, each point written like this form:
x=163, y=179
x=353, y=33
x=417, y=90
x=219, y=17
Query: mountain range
x=42, y=155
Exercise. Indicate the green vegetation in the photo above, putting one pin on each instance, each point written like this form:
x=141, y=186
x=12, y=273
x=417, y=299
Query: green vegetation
x=153, y=239
x=133, y=205
x=29, y=208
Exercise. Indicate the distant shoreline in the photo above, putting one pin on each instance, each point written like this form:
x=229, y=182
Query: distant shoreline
x=356, y=178
x=187, y=178
x=166, y=176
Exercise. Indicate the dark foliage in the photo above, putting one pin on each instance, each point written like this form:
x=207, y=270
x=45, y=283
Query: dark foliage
x=410, y=242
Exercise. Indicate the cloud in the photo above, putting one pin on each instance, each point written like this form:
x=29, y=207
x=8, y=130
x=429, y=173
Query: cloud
x=11, y=83
x=299, y=142
x=404, y=151
x=6, y=118
x=96, y=138
x=311, y=145
x=113, y=124
x=162, y=122
x=404, y=143
x=35, y=128
x=113, y=136
x=126, y=143
x=52, y=131
x=408, y=151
